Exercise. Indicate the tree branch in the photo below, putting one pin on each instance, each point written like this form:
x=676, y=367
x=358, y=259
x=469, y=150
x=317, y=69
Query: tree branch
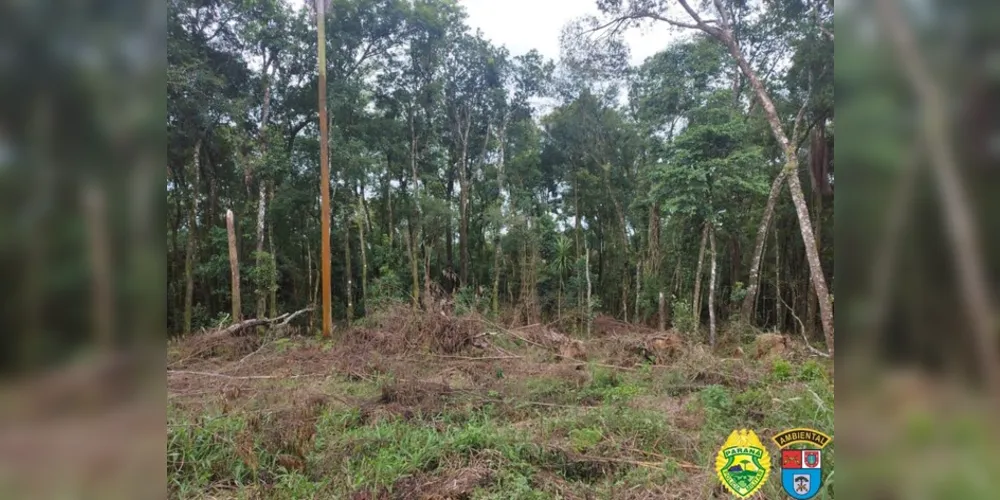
x=634, y=16
x=798, y=118
x=803, y=331
x=293, y=315
x=245, y=377
x=691, y=12
x=726, y=23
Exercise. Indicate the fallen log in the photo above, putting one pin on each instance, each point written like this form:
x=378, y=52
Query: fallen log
x=249, y=323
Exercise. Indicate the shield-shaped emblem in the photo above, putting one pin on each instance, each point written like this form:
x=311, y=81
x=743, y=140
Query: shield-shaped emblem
x=743, y=463
x=801, y=472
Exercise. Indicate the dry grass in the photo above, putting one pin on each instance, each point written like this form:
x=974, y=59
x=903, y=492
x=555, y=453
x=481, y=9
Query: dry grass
x=433, y=406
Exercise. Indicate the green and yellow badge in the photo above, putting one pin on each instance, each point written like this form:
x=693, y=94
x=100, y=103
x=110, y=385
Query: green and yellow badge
x=743, y=463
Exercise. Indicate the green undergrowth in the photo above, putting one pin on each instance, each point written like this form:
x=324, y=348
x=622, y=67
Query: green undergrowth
x=601, y=430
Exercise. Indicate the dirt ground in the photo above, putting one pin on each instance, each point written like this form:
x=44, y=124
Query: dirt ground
x=430, y=406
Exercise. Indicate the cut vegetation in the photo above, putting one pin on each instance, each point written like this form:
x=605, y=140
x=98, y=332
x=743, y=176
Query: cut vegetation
x=406, y=261
x=427, y=413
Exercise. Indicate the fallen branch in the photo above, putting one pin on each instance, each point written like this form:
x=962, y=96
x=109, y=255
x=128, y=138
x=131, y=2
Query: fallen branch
x=244, y=377
x=262, y=346
x=680, y=463
x=243, y=325
x=591, y=458
x=293, y=315
x=803, y=332
x=521, y=404
x=512, y=334
x=474, y=358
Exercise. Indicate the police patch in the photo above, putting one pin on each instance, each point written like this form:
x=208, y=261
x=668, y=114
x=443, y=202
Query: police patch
x=802, y=468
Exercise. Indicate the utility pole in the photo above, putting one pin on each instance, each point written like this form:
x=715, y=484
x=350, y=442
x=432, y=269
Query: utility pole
x=324, y=167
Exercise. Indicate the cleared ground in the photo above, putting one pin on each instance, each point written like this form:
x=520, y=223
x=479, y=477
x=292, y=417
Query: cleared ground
x=431, y=406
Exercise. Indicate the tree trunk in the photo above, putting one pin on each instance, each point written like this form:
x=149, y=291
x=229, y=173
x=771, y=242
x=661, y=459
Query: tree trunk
x=273, y=283
x=779, y=314
x=811, y=302
x=576, y=214
x=638, y=288
x=262, y=284
x=536, y=259
x=259, y=254
x=559, y=298
x=192, y=239
x=366, y=215
x=711, y=290
x=428, y=299
x=663, y=313
x=753, y=285
x=390, y=227
x=414, y=275
x=675, y=280
x=525, y=275
x=654, y=240
x=495, y=297
x=449, y=238
x=590, y=310
x=348, y=272
x=316, y=285
x=463, y=207
x=213, y=200
x=696, y=303
x=309, y=286
x=497, y=239
x=324, y=183
x=463, y=232
x=234, y=267
x=364, y=264
x=620, y=212
x=735, y=261
x=102, y=301
x=416, y=226
x=794, y=185
x=812, y=254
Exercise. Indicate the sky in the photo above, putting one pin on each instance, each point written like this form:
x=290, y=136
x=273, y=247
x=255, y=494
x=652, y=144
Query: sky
x=523, y=25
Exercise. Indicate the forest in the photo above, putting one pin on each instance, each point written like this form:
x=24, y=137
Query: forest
x=629, y=260
x=447, y=177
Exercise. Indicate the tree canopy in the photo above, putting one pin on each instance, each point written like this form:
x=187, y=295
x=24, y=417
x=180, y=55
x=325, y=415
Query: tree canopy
x=451, y=182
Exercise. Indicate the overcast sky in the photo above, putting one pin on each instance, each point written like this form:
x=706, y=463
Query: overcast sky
x=523, y=25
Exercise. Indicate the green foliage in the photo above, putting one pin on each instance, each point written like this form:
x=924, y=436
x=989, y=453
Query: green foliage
x=584, y=439
x=683, y=318
x=514, y=485
x=204, y=451
x=380, y=454
x=738, y=292
x=264, y=273
x=385, y=290
x=781, y=370
x=467, y=301
x=438, y=140
x=354, y=450
x=717, y=400
x=811, y=371
x=609, y=386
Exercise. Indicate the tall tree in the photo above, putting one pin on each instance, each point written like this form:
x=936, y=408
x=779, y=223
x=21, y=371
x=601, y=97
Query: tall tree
x=723, y=29
x=324, y=165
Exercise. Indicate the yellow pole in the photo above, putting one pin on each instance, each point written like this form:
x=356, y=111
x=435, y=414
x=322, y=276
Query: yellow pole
x=324, y=166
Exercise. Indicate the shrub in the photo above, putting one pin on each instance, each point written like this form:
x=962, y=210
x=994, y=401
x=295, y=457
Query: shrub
x=684, y=320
